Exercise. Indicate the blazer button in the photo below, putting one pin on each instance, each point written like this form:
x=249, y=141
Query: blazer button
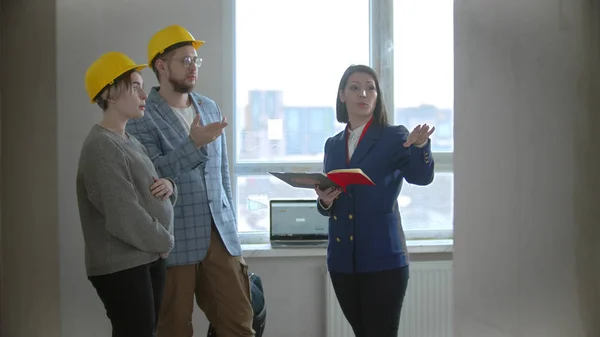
x=351, y=238
x=350, y=216
x=337, y=239
x=334, y=217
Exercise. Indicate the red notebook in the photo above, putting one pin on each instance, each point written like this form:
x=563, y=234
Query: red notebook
x=341, y=178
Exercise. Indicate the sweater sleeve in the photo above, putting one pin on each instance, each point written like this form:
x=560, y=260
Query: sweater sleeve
x=111, y=191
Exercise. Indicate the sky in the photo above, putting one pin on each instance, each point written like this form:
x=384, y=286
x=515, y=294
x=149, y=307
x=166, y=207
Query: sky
x=302, y=48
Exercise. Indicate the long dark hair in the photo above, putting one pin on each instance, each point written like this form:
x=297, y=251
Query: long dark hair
x=341, y=111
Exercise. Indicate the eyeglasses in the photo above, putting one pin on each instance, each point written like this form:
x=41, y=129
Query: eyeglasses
x=188, y=61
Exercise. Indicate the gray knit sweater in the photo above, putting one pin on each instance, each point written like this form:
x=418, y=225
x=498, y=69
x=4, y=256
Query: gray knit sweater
x=123, y=225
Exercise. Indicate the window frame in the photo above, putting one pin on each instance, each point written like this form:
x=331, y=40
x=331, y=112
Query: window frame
x=381, y=50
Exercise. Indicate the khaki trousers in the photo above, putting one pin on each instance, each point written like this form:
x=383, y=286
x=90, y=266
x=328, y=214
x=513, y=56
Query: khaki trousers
x=221, y=286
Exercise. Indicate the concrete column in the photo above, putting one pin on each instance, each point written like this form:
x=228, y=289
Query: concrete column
x=527, y=213
x=29, y=247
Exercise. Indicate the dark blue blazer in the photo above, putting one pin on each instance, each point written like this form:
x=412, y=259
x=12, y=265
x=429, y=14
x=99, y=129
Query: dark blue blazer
x=365, y=230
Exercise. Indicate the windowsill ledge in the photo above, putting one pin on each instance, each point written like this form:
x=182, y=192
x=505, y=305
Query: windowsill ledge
x=414, y=247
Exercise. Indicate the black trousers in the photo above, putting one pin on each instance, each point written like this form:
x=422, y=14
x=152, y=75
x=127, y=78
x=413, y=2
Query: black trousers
x=372, y=302
x=132, y=298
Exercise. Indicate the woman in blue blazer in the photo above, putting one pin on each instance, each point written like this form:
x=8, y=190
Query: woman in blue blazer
x=367, y=256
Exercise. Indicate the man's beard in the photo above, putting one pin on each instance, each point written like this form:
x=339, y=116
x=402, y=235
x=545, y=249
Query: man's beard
x=180, y=86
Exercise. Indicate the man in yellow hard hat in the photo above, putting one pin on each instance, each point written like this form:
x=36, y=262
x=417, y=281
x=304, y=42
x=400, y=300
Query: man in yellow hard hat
x=183, y=133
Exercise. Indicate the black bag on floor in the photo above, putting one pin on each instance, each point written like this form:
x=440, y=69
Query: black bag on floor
x=258, y=306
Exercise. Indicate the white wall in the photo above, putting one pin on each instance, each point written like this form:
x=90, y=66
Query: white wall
x=526, y=259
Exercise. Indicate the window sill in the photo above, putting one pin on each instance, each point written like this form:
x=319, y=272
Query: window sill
x=414, y=247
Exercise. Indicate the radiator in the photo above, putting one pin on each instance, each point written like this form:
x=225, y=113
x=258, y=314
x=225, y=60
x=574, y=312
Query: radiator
x=427, y=310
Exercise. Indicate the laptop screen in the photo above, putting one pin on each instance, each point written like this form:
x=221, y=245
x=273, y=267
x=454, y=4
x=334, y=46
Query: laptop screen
x=297, y=220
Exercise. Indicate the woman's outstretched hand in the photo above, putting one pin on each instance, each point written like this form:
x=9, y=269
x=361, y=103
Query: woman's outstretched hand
x=419, y=135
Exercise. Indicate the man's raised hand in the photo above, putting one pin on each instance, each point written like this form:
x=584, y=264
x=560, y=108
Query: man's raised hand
x=204, y=134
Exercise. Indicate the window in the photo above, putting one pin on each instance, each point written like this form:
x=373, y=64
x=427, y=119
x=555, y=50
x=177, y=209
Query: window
x=424, y=67
x=426, y=211
x=424, y=93
x=289, y=57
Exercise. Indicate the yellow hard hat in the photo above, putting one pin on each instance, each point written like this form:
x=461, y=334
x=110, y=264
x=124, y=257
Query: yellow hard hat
x=106, y=69
x=167, y=37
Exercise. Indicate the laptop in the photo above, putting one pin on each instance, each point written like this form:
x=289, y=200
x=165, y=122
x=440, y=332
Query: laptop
x=296, y=223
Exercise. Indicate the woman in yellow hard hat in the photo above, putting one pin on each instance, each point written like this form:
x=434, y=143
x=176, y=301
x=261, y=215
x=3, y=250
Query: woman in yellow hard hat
x=126, y=211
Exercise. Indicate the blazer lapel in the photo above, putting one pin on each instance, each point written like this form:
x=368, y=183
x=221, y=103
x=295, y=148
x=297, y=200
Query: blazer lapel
x=205, y=119
x=337, y=153
x=199, y=107
x=365, y=145
x=168, y=114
